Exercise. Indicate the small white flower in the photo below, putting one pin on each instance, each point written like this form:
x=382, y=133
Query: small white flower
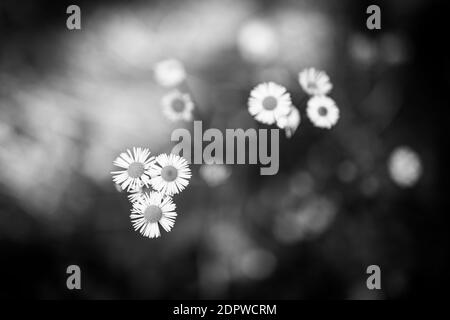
x=171, y=174
x=169, y=73
x=150, y=210
x=405, y=167
x=269, y=101
x=322, y=111
x=315, y=82
x=136, y=167
x=177, y=106
x=136, y=194
x=289, y=122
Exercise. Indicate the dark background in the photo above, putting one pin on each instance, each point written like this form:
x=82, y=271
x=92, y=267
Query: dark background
x=71, y=101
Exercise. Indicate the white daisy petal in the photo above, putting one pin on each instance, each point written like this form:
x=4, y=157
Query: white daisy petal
x=289, y=122
x=136, y=194
x=169, y=73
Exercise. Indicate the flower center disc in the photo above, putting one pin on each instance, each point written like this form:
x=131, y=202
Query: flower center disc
x=269, y=103
x=135, y=170
x=153, y=214
x=178, y=105
x=169, y=173
x=322, y=111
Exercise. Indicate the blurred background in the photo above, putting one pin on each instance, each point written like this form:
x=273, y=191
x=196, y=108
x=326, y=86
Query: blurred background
x=369, y=191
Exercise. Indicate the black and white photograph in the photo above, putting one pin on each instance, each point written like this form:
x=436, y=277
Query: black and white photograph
x=224, y=150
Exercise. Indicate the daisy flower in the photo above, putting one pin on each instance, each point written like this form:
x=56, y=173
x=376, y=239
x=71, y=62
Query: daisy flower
x=269, y=101
x=289, y=122
x=322, y=111
x=177, y=106
x=171, y=174
x=315, y=82
x=150, y=210
x=135, y=167
x=169, y=73
x=136, y=194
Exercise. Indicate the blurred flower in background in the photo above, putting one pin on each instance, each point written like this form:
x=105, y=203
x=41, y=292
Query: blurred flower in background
x=308, y=220
x=177, y=106
x=215, y=174
x=258, y=42
x=405, y=167
x=395, y=49
x=362, y=49
x=169, y=73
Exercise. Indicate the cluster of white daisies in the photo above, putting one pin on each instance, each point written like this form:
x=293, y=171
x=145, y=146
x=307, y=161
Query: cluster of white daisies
x=176, y=105
x=270, y=103
x=151, y=183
